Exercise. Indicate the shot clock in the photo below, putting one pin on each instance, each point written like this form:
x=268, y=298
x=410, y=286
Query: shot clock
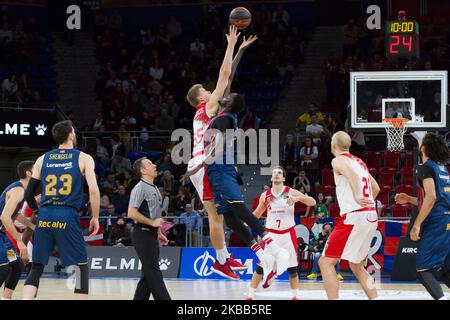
x=402, y=38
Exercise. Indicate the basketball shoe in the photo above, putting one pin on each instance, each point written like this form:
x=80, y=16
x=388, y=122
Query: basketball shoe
x=224, y=270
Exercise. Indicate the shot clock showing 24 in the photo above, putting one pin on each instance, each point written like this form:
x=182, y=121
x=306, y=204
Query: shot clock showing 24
x=402, y=37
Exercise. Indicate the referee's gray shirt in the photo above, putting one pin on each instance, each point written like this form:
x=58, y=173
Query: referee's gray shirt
x=147, y=199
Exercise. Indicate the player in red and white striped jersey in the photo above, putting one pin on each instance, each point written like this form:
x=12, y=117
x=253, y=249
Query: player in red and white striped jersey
x=279, y=202
x=352, y=235
x=207, y=106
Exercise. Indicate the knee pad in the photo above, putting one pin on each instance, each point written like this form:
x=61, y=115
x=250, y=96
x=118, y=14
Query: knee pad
x=259, y=270
x=82, y=279
x=35, y=275
x=292, y=271
x=17, y=268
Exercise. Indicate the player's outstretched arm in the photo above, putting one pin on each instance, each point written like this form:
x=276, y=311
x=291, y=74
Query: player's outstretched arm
x=261, y=206
x=297, y=196
x=94, y=193
x=246, y=43
x=224, y=74
x=14, y=197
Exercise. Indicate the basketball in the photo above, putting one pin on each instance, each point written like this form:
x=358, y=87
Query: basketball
x=240, y=17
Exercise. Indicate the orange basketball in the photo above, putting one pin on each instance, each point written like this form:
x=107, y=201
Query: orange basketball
x=240, y=17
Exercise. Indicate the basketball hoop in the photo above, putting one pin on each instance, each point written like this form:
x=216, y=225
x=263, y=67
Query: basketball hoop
x=395, y=130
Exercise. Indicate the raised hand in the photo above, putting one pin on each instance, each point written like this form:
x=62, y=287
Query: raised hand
x=247, y=42
x=233, y=35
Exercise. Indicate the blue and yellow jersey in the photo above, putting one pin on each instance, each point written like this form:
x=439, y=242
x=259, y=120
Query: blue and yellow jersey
x=62, y=180
x=439, y=173
x=3, y=202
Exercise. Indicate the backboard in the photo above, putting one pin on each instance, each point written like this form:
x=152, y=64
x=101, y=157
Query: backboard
x=420, y=96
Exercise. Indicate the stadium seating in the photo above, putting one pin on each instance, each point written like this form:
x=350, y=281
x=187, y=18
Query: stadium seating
x=391, y=159
x=327, y=177
x=400, y=210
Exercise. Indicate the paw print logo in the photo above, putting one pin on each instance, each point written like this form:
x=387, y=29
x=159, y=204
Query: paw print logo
x=40, y=129
x=164, y=264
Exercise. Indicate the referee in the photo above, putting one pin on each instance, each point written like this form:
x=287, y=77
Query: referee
x=145, y=209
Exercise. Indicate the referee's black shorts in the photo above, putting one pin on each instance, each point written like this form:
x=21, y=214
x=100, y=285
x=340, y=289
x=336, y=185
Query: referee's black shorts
x=145, y=242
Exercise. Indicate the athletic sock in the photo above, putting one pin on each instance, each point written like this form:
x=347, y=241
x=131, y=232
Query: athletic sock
x=221, y=255
x=227, y=254
x=257, y=250
x=251, y=292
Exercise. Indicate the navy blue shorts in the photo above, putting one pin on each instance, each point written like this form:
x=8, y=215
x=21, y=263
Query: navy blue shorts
x=7, y=251
x=58, y=226
x=223, y=179
x=434, y=244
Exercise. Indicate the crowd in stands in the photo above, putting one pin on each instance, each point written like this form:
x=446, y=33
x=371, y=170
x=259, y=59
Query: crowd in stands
x=144, y=78
x=25, y=61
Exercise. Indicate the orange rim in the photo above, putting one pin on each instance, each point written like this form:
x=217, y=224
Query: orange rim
x=397, y=123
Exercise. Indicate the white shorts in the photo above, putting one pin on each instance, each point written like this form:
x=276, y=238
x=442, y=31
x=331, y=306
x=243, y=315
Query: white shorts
x=352, y=236
x=200, y=181
x=286, y=240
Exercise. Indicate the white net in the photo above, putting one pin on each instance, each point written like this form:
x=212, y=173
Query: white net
x=395, y=137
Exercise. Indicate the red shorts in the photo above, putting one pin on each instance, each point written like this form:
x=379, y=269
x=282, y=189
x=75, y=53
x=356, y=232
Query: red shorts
x=352, y=236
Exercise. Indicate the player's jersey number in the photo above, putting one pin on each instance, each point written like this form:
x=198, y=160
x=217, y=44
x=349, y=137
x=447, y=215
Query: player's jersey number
x=51, y=181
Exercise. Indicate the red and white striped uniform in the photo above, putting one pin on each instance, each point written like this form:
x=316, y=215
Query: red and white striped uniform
x=280, y=223
x=27, y=212
x=200, y=180
x=353, y=234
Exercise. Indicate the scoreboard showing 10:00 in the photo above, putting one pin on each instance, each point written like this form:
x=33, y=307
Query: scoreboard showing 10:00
x=402, y=38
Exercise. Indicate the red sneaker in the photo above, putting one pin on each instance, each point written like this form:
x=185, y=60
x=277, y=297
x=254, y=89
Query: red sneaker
x=224, y=270
x=236, y=265
x=295, y=298
x=269, y=279
x=249, y=298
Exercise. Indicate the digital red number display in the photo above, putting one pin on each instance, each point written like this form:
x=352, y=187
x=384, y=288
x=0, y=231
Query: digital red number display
x=402, y=39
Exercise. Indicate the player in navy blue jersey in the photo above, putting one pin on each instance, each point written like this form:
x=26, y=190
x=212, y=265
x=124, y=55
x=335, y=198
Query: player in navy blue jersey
x=432, y=225
x=11, y=201
x=62, y=172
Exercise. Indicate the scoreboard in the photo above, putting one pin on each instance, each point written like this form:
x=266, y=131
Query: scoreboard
x=402, y=38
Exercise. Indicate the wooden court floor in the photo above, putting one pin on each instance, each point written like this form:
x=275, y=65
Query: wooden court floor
x=123, y=289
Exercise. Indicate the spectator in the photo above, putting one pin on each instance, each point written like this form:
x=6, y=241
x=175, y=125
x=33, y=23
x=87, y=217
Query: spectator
x=358, y=144
x=120, y=200
x=117, y=145
x=395, y=111
x=120, y=164
x=164, y=163
x=165, y=200
x=174, y=28
x=289, y=153
x=156, y=71
x=320, y=210
x=10, y=87
x=112, y=216
x=280, y=15
x=302, y=181
x=192, y=220
x=306, y=118
x=98, y=122
x=169, y=183
x=164, y=122
x=197, y=51
x=181, y=200
x=309, y=154
x=105, y=201
x=115, y=21
x=102, y=160
x=110, y=185
x=167, y=226
x=317, y=248
x=315, y=130
x=119, y=235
